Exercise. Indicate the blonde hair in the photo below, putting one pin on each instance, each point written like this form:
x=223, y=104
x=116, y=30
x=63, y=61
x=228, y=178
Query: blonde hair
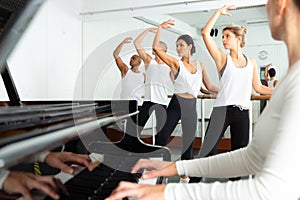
x=238, y=31
x=163, y=45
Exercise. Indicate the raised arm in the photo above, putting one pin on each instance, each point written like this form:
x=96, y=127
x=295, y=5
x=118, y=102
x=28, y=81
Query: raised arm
x=121, y=65
x=169, y=60
x=217, y=54
x=140, y=49
x=256, y=84
x=212, y=88
x=266, y=72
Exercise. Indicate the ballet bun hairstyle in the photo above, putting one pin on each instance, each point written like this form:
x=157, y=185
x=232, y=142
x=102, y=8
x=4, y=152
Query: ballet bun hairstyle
x=189, y=40
x=238, y=31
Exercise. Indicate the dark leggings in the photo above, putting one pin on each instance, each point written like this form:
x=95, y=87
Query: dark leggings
x=220, y=119
x=145, y=112
x=184, y=109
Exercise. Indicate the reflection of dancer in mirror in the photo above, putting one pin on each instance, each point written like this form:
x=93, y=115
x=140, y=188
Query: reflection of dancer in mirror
x=270, y=81
x=188, y=76
x=238, y=74
x=132, y=78
x=270, y=76
x=266, y=74
x=156, y=85
x=268, y=156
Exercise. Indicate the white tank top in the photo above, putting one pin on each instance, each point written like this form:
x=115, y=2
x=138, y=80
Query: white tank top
x=132, y=86
x=158, y=82
x=235, y=85
x=186, y=82
x=271, y=83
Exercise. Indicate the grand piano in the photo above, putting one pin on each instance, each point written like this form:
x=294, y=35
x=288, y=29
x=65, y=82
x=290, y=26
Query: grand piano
x=28, y=128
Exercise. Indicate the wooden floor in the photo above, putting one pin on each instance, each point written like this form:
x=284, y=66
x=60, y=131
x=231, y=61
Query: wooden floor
x=175, y=141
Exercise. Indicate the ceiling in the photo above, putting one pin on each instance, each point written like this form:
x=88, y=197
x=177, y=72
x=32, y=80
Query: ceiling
x=193, y=14
x=185, y=9
x=242, y=16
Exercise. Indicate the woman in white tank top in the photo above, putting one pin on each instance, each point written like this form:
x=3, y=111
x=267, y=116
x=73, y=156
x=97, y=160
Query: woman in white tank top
x=188, y=78
x=238, y=74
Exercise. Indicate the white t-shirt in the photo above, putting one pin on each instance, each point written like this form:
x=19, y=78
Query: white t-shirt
x=235, y=85
x=158, y=82
x=187, y=82
x=132, y=86
x=272, y=156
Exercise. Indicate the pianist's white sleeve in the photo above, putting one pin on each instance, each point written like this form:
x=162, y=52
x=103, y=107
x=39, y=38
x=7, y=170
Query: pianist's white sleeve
x=3, y=175
x=273, y=156
x=40, y=157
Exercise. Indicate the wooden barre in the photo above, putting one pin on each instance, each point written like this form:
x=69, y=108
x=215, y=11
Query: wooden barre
x=213, y=96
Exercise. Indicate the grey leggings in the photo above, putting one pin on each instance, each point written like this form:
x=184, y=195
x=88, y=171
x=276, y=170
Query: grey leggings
x=184, y=109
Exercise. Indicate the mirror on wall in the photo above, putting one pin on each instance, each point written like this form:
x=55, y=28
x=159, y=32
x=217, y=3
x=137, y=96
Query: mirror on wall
x=73, y=59
x=105, y=26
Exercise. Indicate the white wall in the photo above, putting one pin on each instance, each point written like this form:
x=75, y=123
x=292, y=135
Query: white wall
x=46, y=62
x=260, y=41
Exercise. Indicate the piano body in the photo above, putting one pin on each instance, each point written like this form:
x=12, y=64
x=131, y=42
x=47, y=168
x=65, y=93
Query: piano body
x=28, y=128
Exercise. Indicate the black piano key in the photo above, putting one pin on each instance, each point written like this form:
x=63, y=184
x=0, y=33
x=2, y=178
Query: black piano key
x=91, y=177
x=86, y=183
x=75, y=196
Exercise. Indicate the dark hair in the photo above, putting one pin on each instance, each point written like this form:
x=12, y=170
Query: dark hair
x=189, y=40
x=238, y=31
x=272, y=72
x=297, y=2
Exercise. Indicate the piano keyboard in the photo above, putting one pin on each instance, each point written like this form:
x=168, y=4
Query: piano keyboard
x=99, y=183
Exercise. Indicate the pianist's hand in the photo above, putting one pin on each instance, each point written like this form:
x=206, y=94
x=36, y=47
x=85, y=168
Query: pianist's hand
x=63, y=160
x=140, y=191
x=22, y=183
x=155, y=168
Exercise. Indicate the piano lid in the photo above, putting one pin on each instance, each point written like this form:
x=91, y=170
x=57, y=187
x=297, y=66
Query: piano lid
x=15, y=15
